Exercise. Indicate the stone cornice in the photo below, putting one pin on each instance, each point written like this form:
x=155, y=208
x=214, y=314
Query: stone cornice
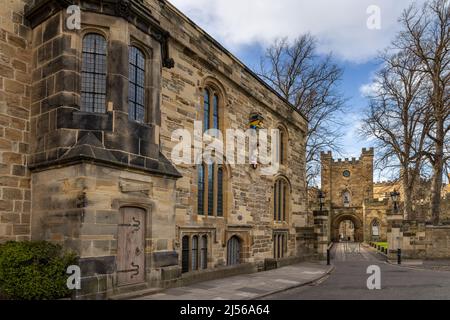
x=134, y=11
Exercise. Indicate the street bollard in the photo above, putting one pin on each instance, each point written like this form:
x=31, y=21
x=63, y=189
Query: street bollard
x=399, y=256
x=328, y=257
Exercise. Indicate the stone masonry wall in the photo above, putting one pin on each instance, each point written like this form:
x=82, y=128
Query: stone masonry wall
x=15, y=80
x=78, y=207
x=375, y=210
x=200, y=61
x=359, y=184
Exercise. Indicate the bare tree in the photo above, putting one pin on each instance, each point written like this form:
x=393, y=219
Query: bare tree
x=426, y=34
x=310, y=82
x=398, y=118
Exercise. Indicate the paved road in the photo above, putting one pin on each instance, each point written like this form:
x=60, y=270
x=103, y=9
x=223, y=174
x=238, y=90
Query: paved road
x=349, y=280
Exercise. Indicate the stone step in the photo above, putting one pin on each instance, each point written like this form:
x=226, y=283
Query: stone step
x=136, y=294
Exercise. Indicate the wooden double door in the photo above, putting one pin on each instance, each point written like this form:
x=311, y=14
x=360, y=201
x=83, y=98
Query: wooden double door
x=131, y=246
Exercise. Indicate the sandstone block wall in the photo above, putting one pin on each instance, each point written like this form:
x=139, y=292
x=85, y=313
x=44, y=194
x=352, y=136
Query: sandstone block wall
x=15, y=93
x=200, y=61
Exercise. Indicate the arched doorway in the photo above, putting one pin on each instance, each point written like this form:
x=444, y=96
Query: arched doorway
x=233, y=251
x=347, y=227
x=347, y=231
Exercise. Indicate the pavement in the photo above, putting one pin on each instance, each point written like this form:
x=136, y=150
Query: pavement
x=349, y=279
x=248, y=286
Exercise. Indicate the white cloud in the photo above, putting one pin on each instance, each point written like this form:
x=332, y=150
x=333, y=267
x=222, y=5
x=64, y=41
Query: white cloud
x=341, y=26
x=369, y=89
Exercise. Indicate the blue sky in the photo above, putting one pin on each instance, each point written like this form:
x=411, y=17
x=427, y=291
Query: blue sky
x=247, y=27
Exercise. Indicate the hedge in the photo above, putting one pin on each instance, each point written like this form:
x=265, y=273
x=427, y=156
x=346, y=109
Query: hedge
x=34, y=270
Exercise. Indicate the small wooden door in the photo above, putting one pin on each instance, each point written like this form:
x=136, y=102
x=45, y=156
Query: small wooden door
x=131, y=246
x=233, y=251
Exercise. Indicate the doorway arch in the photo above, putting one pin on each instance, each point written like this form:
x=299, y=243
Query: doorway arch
x=233, y=251
x=353, y=225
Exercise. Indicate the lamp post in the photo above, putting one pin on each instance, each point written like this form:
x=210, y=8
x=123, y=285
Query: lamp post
x=395, y=197
x=321, y=197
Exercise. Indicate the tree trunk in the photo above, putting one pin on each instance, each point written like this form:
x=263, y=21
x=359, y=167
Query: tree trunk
x=438, y=170
x=407, y=196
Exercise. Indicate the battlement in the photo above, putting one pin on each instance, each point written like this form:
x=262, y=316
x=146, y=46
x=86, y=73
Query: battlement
x=365, y=153
x=386, y=183
x=368, y=152
x=326, y=155
x=346, y=161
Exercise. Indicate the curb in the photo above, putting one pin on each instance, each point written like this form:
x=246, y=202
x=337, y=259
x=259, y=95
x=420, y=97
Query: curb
x=395, y=264
x=326, y=274
x=375, y=251
x=416, y=268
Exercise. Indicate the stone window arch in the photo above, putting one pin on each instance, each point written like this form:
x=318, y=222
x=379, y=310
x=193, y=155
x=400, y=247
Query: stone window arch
x=281, y=200
x=213, y=101
x=282, y=146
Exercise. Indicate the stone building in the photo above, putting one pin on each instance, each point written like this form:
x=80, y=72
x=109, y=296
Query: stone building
x=86, y=123
x=348, y=185
x=361, y=210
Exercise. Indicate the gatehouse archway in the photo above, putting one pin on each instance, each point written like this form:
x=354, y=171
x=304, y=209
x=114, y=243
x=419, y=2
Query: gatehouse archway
x=347, y=227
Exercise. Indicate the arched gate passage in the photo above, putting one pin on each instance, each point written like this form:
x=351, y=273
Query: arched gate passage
x=352, y=223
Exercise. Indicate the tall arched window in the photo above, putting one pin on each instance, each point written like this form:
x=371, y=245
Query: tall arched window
x=194, y=253
x=136, y=92
x=211, y=112
x=93, y=73
x=282, y=146
x=210, y=197
x=204, y=252
x=280, y=200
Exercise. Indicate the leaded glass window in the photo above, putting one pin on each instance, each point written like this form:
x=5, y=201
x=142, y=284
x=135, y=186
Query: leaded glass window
x=194, y=253
x=136, y=100
x=93, y=73
x=204, y=252
x=220, y=192
x=211, y=112
x=210, y=190
x=200, y=189
x=206, y=109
